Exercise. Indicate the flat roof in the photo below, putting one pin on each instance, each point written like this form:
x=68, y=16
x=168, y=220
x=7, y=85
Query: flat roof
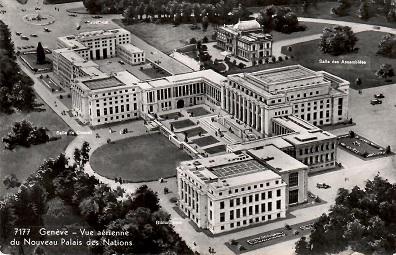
x=285, y=74
x=308, y=137
x=277, y=141
x=102, y=32
x=277, y=159
x=294, y=123
x=264, y=175
x=72, y=56
x=238, y=169
x=93, y=71
x=130, y=47
x=103, y=83
x=126, y=77
x=169, y=80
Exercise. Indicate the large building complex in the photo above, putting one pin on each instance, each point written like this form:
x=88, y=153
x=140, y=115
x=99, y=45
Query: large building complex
x=100, y=100
x=256, y=98
x=75, y=53
x=246, y=40
x=230, y=191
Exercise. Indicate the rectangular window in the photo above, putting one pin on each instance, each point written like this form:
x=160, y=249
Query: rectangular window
x=293, y=179
x=293, y=196
x=231, y=214
x=232, y=203
x=269, y=206
x=263, y=207
x=98, y=113
x=238, y=201
x=278, y=204
x=269, y=194
x=244, y=200
x=256, y=197
x=244, y=212
x=263, y=196
x=250, y=198
x=238, y=213
x=250, y=210
x=278, y=193
x=222, y=205
x=222, y=217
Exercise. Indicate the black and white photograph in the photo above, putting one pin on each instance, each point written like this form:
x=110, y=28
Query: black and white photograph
x=197, y=127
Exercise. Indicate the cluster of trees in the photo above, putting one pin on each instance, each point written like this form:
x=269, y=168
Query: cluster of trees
x=387, y=46
x=338, y=40
x=23, y=133
x=366, y=9
x=385, y=71
x=16, y=88
x=57, y=185
x=361, y=219
x=281, y=19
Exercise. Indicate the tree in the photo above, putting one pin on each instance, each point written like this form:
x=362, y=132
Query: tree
x=338, y=40
x=363, y=11
x=40, y=54
x=360, y=218
x=93, y=6
x=358, y=81
x=342, y=9
x=85, y=148
x=387, y=46
x=385, y=71
x=129, y=15
x=302, y=246
x=205, y=23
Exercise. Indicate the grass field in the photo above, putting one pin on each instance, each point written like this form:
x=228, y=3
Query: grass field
x=183, y=123
x=166, y=37
x=24, y=161
x=137, y=159
x=204, y=141
x=308, y=54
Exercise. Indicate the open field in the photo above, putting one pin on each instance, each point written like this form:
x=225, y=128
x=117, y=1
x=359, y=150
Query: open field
x=142, y=158
x=323, y=12
x=166, y=37
x=308, y=54
x=24, y=161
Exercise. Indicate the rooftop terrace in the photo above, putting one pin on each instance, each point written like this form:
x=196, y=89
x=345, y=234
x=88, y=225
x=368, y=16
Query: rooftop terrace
x=108, y=82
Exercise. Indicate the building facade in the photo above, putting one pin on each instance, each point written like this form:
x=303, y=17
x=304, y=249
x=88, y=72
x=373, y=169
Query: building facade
x=227, y=192
x=246, y=40
x=256, y=98
x=131, y=54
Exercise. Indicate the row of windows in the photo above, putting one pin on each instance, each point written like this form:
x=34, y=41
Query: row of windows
x=249, y=199
x=117, y=117
x=244, y=222
x=248, y=211
x=317, y=148
x=109, y=110
x=261, y=185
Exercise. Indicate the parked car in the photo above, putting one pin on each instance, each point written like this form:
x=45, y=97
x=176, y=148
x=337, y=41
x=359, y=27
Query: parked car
x=18, y=33
x=322, y=186
x=376, y=101
x=47, y=30
x=379, y=95
x=33, y=35
x=24, y=37
x=121, y=62
x=72, y=14
x=96, y=16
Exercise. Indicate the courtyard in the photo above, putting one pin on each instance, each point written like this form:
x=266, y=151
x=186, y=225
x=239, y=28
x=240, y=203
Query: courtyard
x=138, y=159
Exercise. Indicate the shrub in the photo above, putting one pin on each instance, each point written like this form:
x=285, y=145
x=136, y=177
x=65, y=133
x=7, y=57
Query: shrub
x=61, y=96
x=68, y=96
x=260, y=61
x=318, y=200
x=273, y=58
x=241, y=65
x=286, y=57
x=280, y=59
x=266, y=61
x=233, y=242
x=193, y=40
x=234, y=62
x=205, y=39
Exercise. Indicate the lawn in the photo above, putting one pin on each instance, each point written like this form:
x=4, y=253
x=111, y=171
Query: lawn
x=216, y=149
x=32, y=60
x=171, y=115
x=155, y=73
x=182, y=123
x=308, y=54
x=198, y=111
x=204, y=141
x=166, y=37
x=195, y=131
x=24, y=161
x=312, y=29
x=136, y=159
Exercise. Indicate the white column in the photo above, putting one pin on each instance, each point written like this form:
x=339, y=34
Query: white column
x=262, y=121
x=257, y=116
x=248, y=112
